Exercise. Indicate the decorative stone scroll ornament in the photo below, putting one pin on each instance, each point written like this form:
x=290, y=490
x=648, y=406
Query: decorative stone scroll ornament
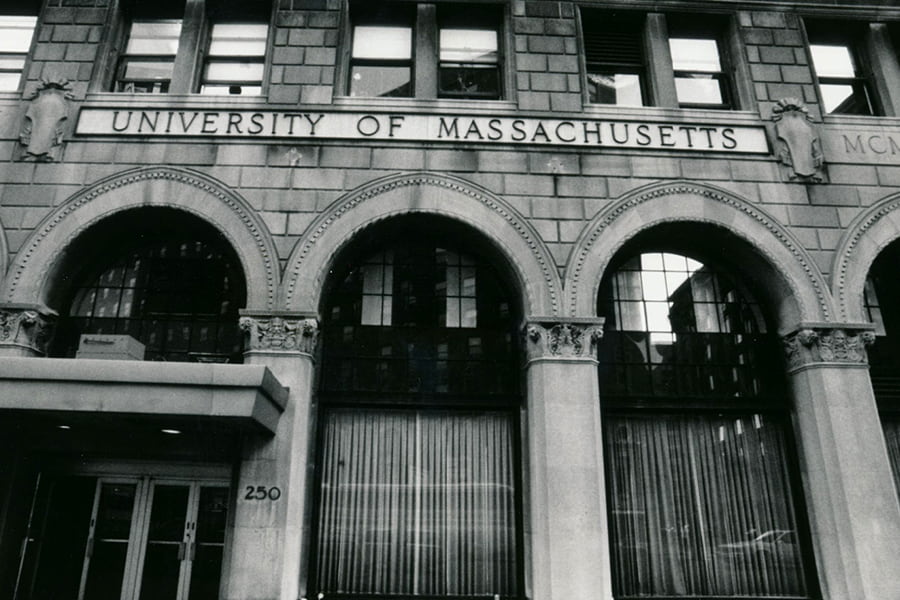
x=280, y=332
x=42, y=131
x=832, y=343
x=562, y=338
x=26, y=328
x=798, y=145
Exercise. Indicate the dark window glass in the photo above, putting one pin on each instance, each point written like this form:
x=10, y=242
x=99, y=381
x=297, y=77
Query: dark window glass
x=179, y=297
x=614, y=56
x=700, y=490
x=418, y=483
x=123, y=537
x=469, y=54
x=882, y=292
x=837, y=57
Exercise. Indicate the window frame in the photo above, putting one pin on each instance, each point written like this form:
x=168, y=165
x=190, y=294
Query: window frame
x=197, y=19
x=853, y=37
x=659, y=84
x=425, y=21
x=26, y=10
x=505, y=404
x=771, y=405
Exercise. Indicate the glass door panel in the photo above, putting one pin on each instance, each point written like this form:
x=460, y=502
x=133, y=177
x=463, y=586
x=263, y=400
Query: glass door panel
x=206, y=552
x=108, y=548
x=165, y=549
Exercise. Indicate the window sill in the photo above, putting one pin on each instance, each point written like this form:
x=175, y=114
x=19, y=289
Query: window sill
x=864, y=120
x=127, y=99
x=428, y=105
x=612, y=112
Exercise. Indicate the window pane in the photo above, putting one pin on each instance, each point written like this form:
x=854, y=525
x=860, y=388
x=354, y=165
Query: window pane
x=380, y=81
x=16, y=33
x=225, y=90
x=233, y=71
x=154, y=37
x=238, y=39
x=623, y=89
x=696, y=90
x=695, y=55
x=838, y=98
x=382, y=42
x=9, y=82
x=832, y=61
x=145, y=70
x=468, y=45
x=470, y=81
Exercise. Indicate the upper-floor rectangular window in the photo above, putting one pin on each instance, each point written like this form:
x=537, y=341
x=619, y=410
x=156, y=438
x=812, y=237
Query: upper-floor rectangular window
x=638, y=59
x=148, y=62
x=614, y=57
x=698, y=65
x=16, y=31
x=185, y=46
x=842, y=68
x=425, y=51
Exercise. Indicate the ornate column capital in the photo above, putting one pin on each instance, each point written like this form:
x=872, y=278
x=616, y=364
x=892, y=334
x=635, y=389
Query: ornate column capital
x=280, y=332
x=26, y=328
x=562, y=338
x=828, y=343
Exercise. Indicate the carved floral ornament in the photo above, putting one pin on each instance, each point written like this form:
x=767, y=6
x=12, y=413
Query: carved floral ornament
x=280, y=333
x=827, y=344
x=26, y=326
x=574, y=338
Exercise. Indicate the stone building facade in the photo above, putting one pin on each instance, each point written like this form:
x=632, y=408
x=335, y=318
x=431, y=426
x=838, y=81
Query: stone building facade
x=246, y=244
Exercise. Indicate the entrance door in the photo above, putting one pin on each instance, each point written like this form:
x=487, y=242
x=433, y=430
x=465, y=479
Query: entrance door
x=134, y=538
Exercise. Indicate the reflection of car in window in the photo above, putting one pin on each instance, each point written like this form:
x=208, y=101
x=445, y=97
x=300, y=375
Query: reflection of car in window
x=780, y=542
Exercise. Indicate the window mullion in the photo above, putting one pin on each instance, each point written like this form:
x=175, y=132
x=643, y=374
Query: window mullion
x=662, y=76
x=426, y=52
x=187, y=60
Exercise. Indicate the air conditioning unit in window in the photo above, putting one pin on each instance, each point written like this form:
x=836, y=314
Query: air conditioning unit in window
x=109, y=347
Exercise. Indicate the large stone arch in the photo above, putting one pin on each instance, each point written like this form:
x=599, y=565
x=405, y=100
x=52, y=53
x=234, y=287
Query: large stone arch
x=794, y=284
x=424, y=194
x=32, y=272
x=861, y=244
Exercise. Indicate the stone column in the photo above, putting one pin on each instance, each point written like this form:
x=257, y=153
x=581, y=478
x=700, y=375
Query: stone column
x=25, y=329
x=267, y=548
x=853, y=508
x=566, y=524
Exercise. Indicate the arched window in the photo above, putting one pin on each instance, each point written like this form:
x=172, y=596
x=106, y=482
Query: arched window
x=418, y=478
x=701, y=492
x=174, y=285
x=882, y=293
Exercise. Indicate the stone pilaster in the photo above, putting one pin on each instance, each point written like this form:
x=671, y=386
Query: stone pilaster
x=25, y=329
x=567, y=520
x=853, y=508
x=272, y=533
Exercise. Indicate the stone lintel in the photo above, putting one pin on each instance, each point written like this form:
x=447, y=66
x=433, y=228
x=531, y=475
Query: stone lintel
x=280, y=332
x=835, y=344
x=27, y=327
x=561, y=338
